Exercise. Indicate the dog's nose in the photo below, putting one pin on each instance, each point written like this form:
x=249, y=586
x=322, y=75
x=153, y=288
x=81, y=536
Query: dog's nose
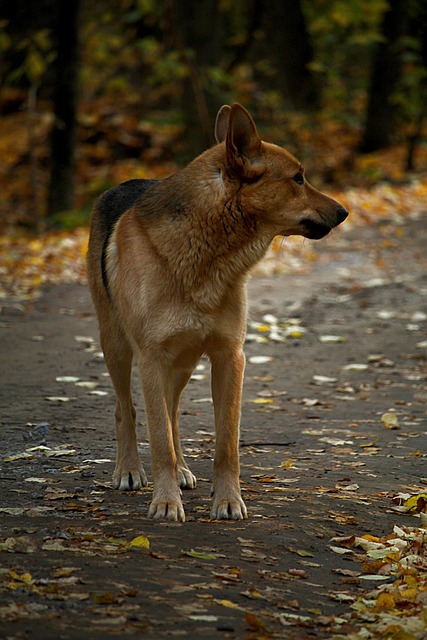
x=341, y=213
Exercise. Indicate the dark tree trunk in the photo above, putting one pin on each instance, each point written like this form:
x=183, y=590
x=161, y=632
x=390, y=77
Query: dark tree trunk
x=63, y=139
x=386, y=72
x=197, y=28
x=287, y=44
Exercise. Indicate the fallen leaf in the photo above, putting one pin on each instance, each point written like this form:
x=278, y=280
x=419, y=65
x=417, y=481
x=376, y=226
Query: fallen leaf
x=287, y=464
x=12, y=511
x=299, y=573
x=323, y=379
x=255, y=622
x=385, y=601
x=417, y=503
x=200, y=555
x=390, y=421
x=104, y=598
x=87, y=384
x=332, y=339
x=355, y=366
x=260, y=359
x=228, y=604
x=140, y=542
x=300, y=552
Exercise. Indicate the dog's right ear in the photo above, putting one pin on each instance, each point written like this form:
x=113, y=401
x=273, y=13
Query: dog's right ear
x=243, y=145
x=221, y=123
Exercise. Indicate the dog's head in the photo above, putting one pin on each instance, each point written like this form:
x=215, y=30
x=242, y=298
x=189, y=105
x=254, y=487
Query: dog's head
x=271, y=181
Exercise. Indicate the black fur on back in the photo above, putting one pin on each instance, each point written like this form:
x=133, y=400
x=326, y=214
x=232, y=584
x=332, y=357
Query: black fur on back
x=113, y=204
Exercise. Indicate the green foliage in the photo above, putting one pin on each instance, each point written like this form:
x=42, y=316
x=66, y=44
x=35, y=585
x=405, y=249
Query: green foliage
x=5, y=39
x=38, y=55
x=344, y=33
x=411, y=93
x=165, y=66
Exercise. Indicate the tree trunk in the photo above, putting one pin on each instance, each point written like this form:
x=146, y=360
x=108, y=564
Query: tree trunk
x=386, y=72
x=63, y=138
x=287, y=45
x=197, y=30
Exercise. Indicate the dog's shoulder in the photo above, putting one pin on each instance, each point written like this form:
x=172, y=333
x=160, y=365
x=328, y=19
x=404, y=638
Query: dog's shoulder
x=117, y=200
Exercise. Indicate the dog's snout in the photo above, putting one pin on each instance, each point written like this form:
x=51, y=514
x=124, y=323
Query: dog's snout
x=342, y=214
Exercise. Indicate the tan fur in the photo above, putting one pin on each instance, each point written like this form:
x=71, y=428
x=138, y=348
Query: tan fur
x=176, y=265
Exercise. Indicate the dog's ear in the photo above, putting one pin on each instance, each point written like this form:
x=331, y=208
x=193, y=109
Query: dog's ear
x=243, y=145
x=221, y=123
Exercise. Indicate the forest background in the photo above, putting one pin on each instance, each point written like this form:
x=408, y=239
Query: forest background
x=95, y=92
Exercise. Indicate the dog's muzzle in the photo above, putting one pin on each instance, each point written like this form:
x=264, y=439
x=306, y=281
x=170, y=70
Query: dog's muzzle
x=316, y=230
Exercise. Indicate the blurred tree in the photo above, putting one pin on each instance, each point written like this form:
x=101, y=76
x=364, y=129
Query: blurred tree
x=286, y=45
x=381, y=115
x=411, y=94
x=198, y=32
x=63, y=137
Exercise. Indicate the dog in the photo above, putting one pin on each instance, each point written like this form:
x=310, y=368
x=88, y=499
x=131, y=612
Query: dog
x=168, y=263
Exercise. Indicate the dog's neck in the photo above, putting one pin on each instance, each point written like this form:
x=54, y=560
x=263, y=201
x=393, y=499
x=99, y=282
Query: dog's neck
x=212, y=241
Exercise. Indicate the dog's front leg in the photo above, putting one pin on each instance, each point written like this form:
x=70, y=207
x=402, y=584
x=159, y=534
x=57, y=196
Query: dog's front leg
x=166, y=502
x=227, y=379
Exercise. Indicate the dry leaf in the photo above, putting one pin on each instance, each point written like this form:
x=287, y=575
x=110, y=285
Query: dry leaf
x=390, y=421
x=140, y=542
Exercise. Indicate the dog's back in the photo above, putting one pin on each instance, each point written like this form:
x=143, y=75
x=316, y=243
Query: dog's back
x=107, y=211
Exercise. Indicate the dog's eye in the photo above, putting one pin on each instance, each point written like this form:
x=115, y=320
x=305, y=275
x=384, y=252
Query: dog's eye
x=299, y=178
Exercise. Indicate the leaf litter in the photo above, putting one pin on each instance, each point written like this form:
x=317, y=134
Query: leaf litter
x=396, y=608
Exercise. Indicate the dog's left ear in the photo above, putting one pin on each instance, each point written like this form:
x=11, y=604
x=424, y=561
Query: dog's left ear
x=243, y=145
x=221, y=123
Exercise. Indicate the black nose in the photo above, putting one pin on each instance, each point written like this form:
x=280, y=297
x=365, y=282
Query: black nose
x=341, y=214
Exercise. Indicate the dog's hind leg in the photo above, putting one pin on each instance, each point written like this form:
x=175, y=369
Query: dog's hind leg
x=227, y=377
x=129, y=473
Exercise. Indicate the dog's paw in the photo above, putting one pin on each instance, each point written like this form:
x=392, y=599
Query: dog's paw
x=229, y=509
x=130, y=479
x=186, y=479
x=164, y=509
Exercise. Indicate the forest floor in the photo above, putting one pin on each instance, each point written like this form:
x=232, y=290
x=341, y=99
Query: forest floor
x=333, y=455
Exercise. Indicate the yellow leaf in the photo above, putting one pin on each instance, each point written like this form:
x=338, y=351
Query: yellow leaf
x=255, y=622
x=390, y=421
x=23, y=577
x=286, y=464
x=295, y=333
x=369, y=444
x=229, y=604
x=262, y=401
x=367, y=536
x=417, y=502
x=104, y=598
x=408, y=595
x=263, y=327
x=385, y=601
x=140, y=542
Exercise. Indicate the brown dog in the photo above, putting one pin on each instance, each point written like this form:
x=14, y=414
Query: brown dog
x=168, y=262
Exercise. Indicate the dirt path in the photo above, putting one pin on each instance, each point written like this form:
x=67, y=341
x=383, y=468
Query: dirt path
x=317, y=460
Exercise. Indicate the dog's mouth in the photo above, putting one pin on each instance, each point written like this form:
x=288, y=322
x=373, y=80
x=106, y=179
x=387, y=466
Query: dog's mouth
x=314, y=230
